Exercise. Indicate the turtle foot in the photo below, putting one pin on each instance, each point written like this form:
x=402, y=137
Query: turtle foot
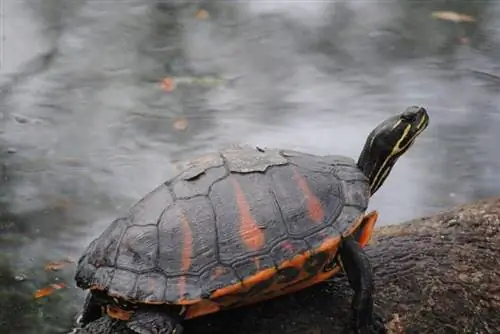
x=376, y=326
x=152, y=322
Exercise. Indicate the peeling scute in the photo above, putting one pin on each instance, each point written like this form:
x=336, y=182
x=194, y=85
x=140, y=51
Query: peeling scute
x=198, y=186
x=194, y=168
x=248, y=160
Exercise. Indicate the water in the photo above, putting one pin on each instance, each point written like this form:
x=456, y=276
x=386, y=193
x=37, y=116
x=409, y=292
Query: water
x=86, y=128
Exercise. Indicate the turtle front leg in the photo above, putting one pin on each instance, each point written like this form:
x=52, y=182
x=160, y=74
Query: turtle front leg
x=91, y=310
x=154, y=322
x=359, y=272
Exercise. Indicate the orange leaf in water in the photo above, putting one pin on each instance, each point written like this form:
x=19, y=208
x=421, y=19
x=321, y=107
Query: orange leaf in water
x=452, y=16
x=202, y=14
x=47, y=291
x=57, y=265
x=180, y=124
x=463, y=40
x=168, y=84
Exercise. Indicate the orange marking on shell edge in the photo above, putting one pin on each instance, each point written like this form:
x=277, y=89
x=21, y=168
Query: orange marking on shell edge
x=314, y=207
x=187, y=250
x=329, y=245
x=117, y=313
x=250, y=233
x=205, y=306
x=368, y=225
x=246, y=284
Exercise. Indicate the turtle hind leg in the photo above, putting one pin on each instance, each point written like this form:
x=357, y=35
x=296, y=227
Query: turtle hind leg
x=359, y=272
x=145, y=321
x=91, y=310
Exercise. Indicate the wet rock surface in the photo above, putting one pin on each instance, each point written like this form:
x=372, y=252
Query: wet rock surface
x=438, y=274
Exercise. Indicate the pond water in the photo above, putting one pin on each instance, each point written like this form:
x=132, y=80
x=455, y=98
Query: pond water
x=87, y=128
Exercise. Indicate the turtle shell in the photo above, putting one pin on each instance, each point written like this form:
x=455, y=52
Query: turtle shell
x=233, y=227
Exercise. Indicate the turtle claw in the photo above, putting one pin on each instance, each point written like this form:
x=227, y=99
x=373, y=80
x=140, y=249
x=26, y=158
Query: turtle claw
x=376, y=326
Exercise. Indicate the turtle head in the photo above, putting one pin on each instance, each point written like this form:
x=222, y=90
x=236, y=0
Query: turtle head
x=388, y=141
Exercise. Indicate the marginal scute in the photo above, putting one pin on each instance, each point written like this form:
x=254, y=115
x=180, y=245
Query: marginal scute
x=349, y=215
x=185, y=188
x=252, y=265
x=287, y=275
x=287, y=249
x=316, y=262
x=217, y=277
x=123, y=284
x=102, y=278
x=248, y=159
x=316, y=239
x=357, y=194
x=84, y=275
x=151, y=287
x=183, y=288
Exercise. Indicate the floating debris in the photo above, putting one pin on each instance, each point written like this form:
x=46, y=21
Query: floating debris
x=171, y=83
x=168, y=84
x=202, y=14
x=180, y=124
x=58, y=265
x=20, y=277
x=47, y=291
x=452, y=16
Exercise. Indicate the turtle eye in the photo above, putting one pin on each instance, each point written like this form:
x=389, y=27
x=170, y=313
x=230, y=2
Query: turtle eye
x=408, y=116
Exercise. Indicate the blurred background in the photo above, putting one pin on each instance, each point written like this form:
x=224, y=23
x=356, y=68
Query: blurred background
x=99, y=99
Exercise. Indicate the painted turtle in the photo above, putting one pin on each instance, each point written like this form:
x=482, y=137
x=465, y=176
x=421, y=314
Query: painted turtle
x=241, y=226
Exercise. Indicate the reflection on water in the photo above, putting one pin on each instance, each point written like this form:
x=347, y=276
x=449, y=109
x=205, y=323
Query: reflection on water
x=87, y=129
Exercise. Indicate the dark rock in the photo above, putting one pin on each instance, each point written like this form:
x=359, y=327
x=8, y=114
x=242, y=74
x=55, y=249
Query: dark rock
x=438, y=274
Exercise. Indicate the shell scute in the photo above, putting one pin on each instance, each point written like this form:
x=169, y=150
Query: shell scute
x=102, y=251
x=184, y=289
x=192, y=169
x=317, y=238
x=102, y=278
x=123, y=284
x=286, y=249
x=198, y=186
x=147, y=210
x=217, y=277
x=252, y=265
x=170, y=236
x=308, y=200
x=308, y=162
x=151, y=288
x=250, y=160
x=138, y=248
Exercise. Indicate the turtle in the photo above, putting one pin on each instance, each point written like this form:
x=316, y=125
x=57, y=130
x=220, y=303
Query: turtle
x=241, y=226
